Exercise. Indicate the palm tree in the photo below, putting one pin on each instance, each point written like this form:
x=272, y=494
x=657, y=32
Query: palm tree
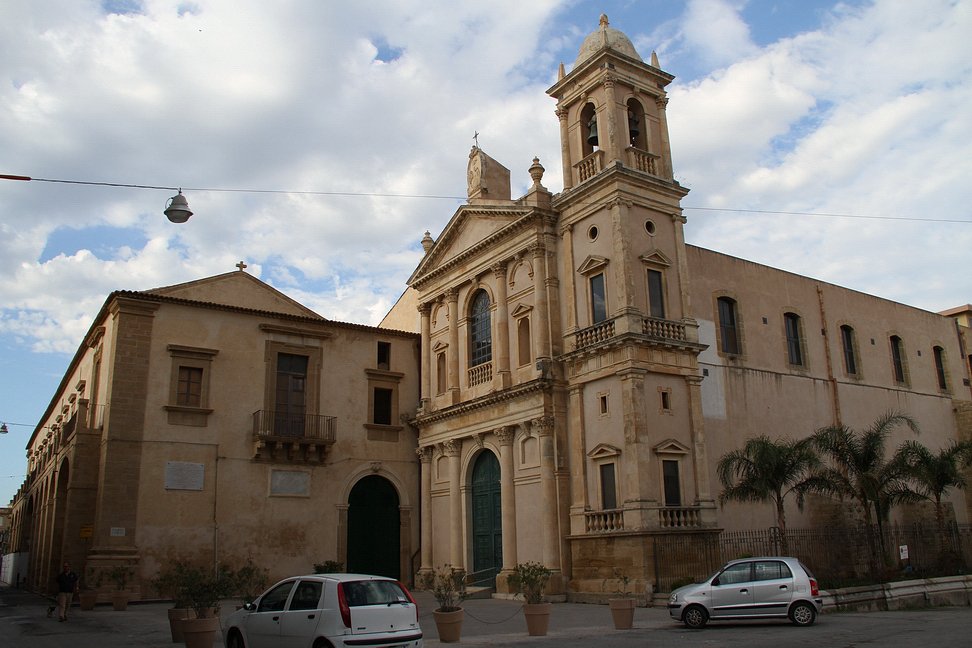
x=859, y=470
x=765, y=470
x=934, y=474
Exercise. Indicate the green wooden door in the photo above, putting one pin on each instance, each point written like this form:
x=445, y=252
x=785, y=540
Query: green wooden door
x=373, y=528
x=487, y=517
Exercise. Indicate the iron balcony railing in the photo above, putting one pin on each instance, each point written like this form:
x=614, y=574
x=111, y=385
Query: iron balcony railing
x=267, y=423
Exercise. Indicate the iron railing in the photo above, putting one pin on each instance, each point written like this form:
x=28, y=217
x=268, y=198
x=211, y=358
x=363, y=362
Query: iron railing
x=267, y=423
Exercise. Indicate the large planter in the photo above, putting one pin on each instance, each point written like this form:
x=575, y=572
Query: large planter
x=537, y=617
x=200, y=633
x=449, y=625
x=623, y=612
x=119, y=600
x=176, y=617
x=88, y=600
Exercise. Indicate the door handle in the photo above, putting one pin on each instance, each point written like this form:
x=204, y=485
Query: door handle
x=782, y=587
x=310, y=616
x=276, y=618
x=744, y=591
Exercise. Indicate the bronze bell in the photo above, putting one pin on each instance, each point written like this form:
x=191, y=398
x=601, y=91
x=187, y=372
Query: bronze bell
x=633, y=129
x=592, y=125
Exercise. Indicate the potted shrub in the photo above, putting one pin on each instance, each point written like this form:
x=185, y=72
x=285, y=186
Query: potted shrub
x=203, y=589
x=170, y=584
x=121, y=576
x=88, y=588
x=529, y=579
x=622, y=608
x=448, y=586
x=329, y=567
x=250, y=581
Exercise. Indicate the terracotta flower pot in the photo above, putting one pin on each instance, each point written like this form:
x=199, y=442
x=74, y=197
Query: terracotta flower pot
x=623, y=612
x=88, y=600
x=537, y=617
x=119, y=600
x=449, y=625
x=176, y=617
x=200, y=633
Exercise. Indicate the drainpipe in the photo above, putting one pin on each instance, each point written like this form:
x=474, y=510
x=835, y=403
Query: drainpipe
x=830, y=362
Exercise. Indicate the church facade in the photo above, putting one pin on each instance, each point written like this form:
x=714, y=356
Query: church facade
x=583, y=369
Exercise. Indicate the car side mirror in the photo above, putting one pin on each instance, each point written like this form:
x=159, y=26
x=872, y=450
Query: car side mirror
x=715, y=581
x=249, y=606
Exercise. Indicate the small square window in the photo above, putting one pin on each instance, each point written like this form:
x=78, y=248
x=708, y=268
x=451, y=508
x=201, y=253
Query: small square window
x=384, y=355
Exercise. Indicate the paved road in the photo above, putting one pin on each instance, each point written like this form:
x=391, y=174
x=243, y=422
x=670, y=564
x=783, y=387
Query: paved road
x=24, y=624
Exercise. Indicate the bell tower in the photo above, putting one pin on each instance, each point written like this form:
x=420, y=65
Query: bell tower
x=612, y=110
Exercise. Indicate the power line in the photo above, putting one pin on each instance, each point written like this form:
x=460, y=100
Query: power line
x=365, y=194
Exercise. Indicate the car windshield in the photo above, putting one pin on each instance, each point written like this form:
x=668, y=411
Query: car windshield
x=373, y=592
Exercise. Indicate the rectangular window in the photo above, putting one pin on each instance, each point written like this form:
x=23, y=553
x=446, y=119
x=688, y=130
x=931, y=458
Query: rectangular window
x=609, y=492
x=666, y=399
x=897, y=362
x=598, y=299
x=189, y=390
x=847, y=341
x=673, y=489
x=791, y=324
x=384, y=355
x=290, y=404
x=656, y=297
x=727, y=325
x=383, y=406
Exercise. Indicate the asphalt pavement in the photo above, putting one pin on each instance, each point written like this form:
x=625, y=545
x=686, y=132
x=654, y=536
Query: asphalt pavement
x=494, y=622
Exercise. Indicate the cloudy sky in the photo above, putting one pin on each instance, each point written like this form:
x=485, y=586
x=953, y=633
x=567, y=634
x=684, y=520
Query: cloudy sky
x=318, y=140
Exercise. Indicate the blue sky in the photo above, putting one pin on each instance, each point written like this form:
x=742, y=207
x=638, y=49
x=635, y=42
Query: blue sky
x=857, y=108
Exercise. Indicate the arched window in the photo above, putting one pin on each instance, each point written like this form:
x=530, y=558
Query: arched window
x=791, y=325
x=728, y=329
x=589, y=129
x=480, y=340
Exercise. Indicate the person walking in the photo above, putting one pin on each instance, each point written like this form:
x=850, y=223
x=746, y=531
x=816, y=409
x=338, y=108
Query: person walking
x=67, y=585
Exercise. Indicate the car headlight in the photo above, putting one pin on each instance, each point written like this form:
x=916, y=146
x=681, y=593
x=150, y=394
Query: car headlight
x=673, y=599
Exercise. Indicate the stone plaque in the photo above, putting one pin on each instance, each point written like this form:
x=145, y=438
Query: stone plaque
x=289, y=482
x=184, y=476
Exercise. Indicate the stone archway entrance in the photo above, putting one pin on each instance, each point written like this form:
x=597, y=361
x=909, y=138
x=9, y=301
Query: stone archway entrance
x=374, y=528
x=487, y=523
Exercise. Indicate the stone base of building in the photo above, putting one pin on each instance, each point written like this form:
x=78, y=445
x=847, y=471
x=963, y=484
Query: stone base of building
x=639, y=564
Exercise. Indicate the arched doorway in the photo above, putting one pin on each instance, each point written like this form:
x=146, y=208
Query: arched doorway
x=487, y=508
x=374, y=540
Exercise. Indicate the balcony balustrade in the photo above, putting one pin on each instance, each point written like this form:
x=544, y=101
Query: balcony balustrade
x=292, y=437
x=679, y=517
x=482, y=373
x=590, y=166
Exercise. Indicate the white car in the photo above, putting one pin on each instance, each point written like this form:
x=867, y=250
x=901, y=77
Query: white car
x=752, y=588
x=328, y=611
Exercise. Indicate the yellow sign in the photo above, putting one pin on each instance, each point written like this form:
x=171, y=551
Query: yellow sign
x=87, y=530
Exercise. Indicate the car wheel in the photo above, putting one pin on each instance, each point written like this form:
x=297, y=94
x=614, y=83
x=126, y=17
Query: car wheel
x=235, y=640
x=695, y=617
x=802, y=614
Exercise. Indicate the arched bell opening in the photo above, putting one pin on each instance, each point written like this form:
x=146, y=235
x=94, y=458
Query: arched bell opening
x=637, y=131
x=589, y=135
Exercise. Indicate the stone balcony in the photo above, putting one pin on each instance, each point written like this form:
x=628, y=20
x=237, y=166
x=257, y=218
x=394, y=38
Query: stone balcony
x=652, y=328
x=668, y=518
x=302, y=438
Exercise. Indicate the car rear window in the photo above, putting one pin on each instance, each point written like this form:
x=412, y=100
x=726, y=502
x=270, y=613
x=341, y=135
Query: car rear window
x=373, y=592
x=772, y=570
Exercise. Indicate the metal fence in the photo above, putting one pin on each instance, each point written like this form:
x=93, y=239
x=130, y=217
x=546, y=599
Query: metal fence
x=837, y=556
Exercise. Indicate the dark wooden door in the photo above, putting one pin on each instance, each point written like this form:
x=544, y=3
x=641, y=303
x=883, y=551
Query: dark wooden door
x=374, y=541
x=487, y=517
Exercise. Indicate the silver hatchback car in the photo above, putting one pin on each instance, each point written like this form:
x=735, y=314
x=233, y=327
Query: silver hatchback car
x=328, y=611
x=752, y=588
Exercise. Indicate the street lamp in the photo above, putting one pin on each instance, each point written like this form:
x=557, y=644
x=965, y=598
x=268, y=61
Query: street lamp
x=177, y=209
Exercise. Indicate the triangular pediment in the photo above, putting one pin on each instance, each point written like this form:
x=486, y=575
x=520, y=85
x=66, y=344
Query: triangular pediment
x=239, y=289
x=671, y=446
x=521, y=310
x=655, y=257
x=472, y=230
x=603, y=450
x=592, y=264
x=439, y=346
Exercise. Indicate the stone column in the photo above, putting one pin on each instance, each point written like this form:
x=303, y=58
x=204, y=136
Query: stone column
x=544, y=426
x=704, y=500
x=540, y=299
x=502, y=378
x=452, y=297
x=452, y=450
x=428, y=361
x=640, y=481
x=505, y=436
x=614, y=147
x=425, y=457
x=565, y=148
x=666, y=149
x=577, y=447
